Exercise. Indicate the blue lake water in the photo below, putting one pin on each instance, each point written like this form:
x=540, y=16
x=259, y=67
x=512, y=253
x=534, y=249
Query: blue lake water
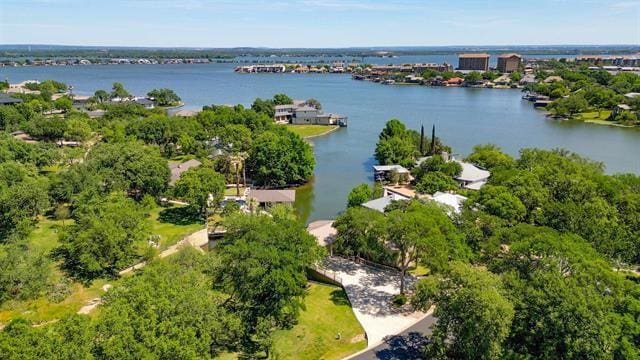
x=463, y=117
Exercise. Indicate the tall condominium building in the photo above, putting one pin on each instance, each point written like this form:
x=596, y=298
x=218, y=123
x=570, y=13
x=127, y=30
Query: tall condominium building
x=508, y=63
x=478, y=62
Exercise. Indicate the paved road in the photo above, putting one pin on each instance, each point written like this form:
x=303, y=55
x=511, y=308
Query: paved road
x=405, y=346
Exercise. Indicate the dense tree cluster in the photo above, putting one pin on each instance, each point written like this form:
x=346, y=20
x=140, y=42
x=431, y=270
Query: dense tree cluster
x=529, y=269
x=262, y=266
x=579, y=89
x=402, y=146
x=164, y=97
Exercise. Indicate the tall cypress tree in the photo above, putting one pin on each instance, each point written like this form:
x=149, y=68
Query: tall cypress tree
x=432, y=151
x=421, y=140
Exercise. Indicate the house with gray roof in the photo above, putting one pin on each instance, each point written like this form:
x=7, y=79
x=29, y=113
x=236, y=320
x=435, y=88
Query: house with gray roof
x=8, y=100
x=178, y=169
x=300, y=113
x=472, y=177
x=267, y=198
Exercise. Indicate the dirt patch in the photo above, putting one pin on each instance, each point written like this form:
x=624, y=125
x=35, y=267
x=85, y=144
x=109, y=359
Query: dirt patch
x=357, y=339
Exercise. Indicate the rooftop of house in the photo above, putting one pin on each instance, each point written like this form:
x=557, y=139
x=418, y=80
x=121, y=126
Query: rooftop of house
x=453, y=200
x=6, y=99
x=472, y=173
x=401, y=191
x=273, y=196
x=306, y=108
x=474, y=56
x=385, y=168
x=178, y=168
x=144, y=101
x=379, y=204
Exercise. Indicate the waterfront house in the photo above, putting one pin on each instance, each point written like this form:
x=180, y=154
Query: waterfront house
x=504, y=79
x=383, y=172
x=508, y=63
x=476, y=62
x=528, y=79
x=299, y=113
x=472, y=177
x=178, y=169
x=146, y=102
x=454, y=81
x=454, y=201
x=262, y=68
x=388, y=197
x=266, y=198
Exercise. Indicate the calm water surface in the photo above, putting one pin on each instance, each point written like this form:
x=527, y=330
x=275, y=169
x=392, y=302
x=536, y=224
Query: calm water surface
x=463, y=117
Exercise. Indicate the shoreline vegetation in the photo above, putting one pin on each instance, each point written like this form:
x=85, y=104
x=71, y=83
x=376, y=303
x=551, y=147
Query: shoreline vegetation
x=312, y=131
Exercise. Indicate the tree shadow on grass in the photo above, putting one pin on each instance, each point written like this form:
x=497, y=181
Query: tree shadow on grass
x=339, y=297
x=185, y=215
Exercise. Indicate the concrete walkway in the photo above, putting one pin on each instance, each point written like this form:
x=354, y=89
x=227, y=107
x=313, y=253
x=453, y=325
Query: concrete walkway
x=198, y=239
x=370, y=291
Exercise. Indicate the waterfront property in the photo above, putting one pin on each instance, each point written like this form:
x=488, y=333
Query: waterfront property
x=300, y=113
x=472, y=177
x=508, y=63
x=262, y=68
x=383, y=172
x=476, y=62
x=266, y=198
x=454, y=201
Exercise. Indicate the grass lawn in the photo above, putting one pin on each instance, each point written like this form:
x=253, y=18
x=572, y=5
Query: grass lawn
x=420, y=270
x=172, y=224
x=310, y=130
x=231, y=191
x=600, y=118
x=328, y=313
x=44, y=238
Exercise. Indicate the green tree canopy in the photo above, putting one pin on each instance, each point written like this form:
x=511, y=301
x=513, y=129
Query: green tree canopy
x=202, y=187
x=107, y=236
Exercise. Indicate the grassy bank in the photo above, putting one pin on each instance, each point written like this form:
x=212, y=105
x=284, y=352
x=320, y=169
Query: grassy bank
x=307, y=131
x=598, y=117
x=327, y=329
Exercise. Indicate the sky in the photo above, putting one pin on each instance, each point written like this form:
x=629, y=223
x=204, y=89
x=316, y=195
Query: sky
x=318, y=23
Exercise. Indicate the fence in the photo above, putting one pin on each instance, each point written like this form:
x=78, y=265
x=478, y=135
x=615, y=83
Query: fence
x=323, y=275
x=359, y=260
